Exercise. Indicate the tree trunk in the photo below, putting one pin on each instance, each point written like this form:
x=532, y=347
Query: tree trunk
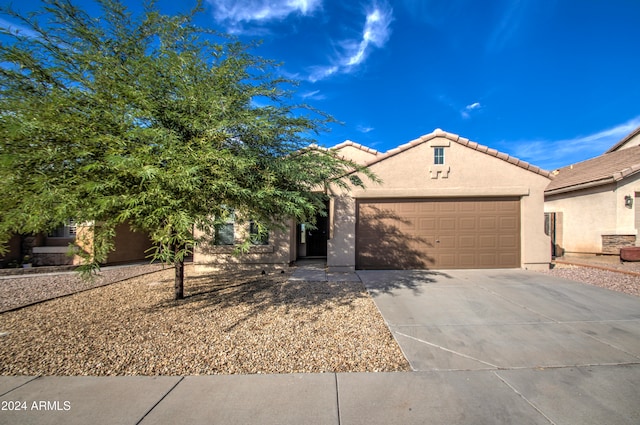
x=179, y=280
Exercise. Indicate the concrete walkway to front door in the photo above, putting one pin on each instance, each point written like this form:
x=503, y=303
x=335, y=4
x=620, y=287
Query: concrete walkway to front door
x=315, y=270
x=569, y=350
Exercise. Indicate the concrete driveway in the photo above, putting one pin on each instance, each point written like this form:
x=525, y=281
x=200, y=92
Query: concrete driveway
x=568, y=350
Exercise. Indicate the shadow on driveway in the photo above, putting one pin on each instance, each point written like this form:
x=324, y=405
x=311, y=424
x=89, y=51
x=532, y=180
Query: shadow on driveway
x=390, y=281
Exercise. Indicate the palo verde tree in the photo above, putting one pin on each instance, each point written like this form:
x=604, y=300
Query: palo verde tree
x=150, y=120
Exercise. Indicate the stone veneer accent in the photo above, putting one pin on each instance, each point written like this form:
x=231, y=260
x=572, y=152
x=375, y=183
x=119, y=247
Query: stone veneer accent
x=611, y=244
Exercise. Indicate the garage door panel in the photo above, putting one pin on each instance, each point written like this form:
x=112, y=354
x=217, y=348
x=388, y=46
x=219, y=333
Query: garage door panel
x=487, y=260
x=488, y=242
x=447, y=224
x=487, y=223
x=508, y=242
x=407, y=208
x=446, y=261
x=446, y=242
x=508, y=257
x=447, y=207
x=427, y=224
x=467, y=261
x=508, y=223
x=467, y=242
x=468, y=223
x=472, y=233
x=427, y=207
x=468, y=207
x=487, y=207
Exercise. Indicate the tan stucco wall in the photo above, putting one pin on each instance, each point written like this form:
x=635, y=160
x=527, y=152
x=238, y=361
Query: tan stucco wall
x=469, y=173
x=341, y=253
x=129, y=246
x=634, y=141
x=276, y=254
x=590, y=213
x=625, y=217
x=356, y=155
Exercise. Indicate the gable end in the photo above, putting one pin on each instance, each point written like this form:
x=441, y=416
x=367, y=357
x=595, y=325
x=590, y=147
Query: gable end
x=464, y=142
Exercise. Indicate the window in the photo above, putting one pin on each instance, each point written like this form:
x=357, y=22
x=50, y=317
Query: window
x=258, y=234
x=66, y=230
x=438, y=156
x=224, y=231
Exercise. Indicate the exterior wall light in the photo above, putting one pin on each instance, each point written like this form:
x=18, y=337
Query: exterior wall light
x=628, y=201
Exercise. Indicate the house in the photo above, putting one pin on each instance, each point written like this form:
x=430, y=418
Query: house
x=54, y=248
x=593, y=205
x=444, y=203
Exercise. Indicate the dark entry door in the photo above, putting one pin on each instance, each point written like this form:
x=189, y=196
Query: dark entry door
x=317, y=238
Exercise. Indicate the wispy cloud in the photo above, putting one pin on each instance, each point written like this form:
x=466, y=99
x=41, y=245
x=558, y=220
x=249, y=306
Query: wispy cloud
x=364, y=129
x=375, y=34
x=317, y=73
x=475, y=105
x=466, y=112
x=313, y=95
x=234, y=12
x=508, y=25
x=552, y=154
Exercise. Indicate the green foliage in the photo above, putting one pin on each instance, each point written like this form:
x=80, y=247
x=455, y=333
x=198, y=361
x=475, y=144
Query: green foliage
x=150, y=120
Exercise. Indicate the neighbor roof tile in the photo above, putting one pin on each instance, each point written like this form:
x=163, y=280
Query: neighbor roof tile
x=602, y=169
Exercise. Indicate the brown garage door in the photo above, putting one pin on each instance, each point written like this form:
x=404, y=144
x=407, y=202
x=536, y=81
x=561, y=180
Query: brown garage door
x=438, y=233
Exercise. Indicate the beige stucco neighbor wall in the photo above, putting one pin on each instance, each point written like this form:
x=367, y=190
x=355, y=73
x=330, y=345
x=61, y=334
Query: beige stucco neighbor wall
x=589, y=214
x=466, y=173
x=625, y=217
x=276, y=255
x=633, y=141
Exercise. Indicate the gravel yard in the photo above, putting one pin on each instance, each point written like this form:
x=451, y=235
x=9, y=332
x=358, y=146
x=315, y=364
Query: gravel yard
x=233, y=323
x=21, y=290
x=621, y=282
x=229, y=323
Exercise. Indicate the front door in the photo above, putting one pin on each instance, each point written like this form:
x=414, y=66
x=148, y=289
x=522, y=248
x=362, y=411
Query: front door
x=317, y=238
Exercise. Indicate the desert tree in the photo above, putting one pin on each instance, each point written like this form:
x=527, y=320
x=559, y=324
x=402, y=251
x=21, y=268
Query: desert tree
x=148, y=119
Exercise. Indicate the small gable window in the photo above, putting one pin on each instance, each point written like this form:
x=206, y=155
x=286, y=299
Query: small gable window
x=438, y=156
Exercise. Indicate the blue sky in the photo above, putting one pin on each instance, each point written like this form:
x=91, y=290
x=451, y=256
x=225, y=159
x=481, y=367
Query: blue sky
x=552, y=82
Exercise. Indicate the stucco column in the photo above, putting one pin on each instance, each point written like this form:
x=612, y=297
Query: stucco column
x=341, y=247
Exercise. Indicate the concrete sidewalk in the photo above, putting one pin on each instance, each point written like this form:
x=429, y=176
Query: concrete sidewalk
x=580, y=395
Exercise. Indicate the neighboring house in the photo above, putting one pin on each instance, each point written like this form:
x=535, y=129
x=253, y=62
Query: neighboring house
x=593, y=205
x=54, y=248
x=444, y=203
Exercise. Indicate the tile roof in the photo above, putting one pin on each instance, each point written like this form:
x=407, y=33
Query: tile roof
x=357, y=146
x=606, y=168
x=464, y=142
